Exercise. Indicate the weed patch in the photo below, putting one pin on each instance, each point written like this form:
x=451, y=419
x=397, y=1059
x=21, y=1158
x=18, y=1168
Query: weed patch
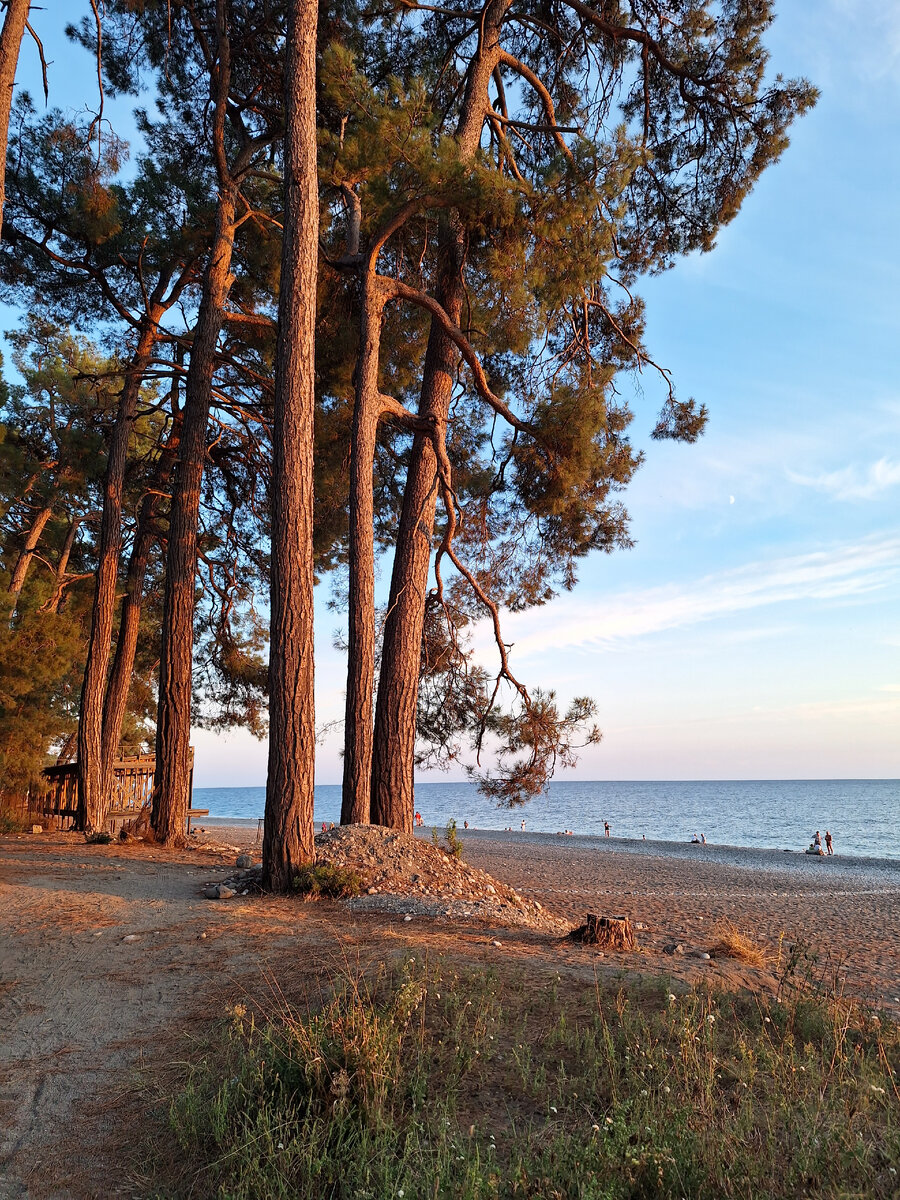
x=473, y=1085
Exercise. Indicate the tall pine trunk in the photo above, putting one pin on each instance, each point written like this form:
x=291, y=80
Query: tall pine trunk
x=288, y=837
x=172, y=777
x=10, y=44
x=393, y=763
x=93, y=800
x=355, y=804
x=393, y=759
x=115, y=703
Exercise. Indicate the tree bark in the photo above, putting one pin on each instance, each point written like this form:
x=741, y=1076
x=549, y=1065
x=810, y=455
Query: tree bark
x=355, y=803
x=20, y=571
x=288, y=837
x=10, y=44
x=92, y=799
x=115, y=703
x=393, y=763
x=172, y=777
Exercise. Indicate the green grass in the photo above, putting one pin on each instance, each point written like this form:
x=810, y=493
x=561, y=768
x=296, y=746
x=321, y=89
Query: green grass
x=431, y=1083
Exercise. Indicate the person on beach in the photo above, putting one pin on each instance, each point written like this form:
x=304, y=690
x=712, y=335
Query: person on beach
x=702, y=839
x=523, y=824
x=606, y=828
x=695, y=841
x=829, y=848
x=418, y=818
x=817, y=840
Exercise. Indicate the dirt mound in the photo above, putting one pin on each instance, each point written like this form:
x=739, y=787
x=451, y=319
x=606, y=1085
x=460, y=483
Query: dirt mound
x=404, y=874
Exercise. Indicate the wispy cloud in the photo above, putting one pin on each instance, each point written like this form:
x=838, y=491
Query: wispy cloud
x=854, y=483
x=843, y=572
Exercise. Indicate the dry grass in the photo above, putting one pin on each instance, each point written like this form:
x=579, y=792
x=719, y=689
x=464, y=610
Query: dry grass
x=732, y=943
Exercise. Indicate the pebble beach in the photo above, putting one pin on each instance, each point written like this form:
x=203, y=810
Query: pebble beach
x=844, y=911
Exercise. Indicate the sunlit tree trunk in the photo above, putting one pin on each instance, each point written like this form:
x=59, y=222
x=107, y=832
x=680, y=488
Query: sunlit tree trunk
x=92, y=799
x=393, y=761
x=10, y=44
x=288, y=836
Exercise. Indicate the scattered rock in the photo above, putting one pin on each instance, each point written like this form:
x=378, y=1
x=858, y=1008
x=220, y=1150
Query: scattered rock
x=499, y=945
x=408, y=917
x=373, y=891
x=673, y=948
x=700, y=954
x=37, y=829
x=130, y=937
x=244, y=861
x=218, y=891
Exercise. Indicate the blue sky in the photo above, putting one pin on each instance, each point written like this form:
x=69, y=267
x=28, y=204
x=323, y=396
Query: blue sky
x=754, y=630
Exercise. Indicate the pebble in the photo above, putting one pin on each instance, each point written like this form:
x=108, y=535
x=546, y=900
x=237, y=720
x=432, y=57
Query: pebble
x=217, y=891
x=675, y=948
x=130, y=937
x=408, y=917
x=243, y=861
x=497, y=944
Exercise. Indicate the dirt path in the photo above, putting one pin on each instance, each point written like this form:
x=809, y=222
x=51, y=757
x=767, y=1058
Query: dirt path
x=102, y=963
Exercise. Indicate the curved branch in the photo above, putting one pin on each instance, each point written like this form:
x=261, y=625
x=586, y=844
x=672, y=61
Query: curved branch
x=395, y=289
x=509, y=60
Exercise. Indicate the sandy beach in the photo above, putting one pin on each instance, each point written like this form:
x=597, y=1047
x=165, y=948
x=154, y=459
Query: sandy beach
x=110, y=956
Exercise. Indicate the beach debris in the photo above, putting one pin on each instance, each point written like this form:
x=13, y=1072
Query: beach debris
x=244, y=861
x=614, y=933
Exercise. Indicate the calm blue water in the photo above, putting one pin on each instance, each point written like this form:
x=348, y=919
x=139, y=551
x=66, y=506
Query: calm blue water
x=862, y=814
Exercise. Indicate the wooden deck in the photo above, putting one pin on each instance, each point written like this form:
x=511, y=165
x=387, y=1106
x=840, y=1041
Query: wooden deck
x=132, y=789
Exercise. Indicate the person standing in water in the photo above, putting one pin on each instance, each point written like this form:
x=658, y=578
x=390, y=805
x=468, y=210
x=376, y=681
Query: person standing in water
x=828, y=845
x=606, y=828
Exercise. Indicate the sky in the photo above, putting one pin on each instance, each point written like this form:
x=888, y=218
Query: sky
x=754, y=630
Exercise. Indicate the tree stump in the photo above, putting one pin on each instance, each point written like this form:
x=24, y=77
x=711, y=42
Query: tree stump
x=612, y=933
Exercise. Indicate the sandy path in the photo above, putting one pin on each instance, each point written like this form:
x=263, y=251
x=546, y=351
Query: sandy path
x=80, y=1006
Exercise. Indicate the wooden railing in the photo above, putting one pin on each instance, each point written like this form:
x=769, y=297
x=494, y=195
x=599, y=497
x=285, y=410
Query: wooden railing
x=132, y=789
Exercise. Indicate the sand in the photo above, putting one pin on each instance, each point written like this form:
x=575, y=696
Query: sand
x=112, y=963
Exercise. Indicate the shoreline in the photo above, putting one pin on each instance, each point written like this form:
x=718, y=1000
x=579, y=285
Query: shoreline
x=772, y=858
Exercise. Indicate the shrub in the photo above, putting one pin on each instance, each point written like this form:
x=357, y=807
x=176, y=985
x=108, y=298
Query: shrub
x=323, y=879
x=100, y=838
x=15, y=820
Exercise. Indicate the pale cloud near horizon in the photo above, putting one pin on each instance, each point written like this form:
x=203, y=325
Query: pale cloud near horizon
x=853, y=483
x=841, y=573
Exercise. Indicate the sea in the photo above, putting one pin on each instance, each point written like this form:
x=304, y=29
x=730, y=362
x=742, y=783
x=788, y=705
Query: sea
x=863, y=815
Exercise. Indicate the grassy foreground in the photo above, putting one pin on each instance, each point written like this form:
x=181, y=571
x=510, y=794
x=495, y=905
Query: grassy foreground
x=427, y=1082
